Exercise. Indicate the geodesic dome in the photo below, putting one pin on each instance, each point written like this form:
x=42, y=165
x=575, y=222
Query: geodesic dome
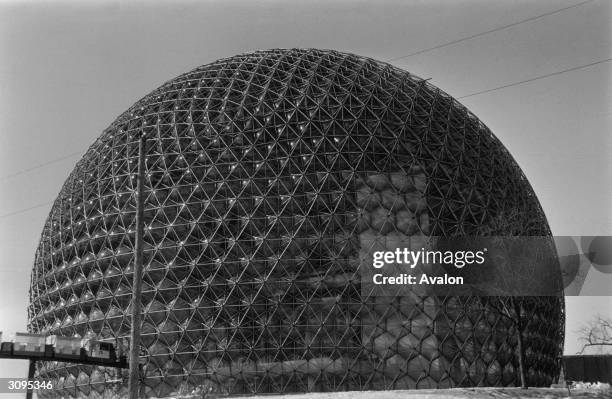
x=268, y=176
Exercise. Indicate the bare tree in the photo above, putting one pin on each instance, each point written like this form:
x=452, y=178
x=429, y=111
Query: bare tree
x=505, y=231
x=596, y=333
x=513, y=308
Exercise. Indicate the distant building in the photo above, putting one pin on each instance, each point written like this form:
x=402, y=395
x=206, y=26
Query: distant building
x=268, y=175
x=588, y=368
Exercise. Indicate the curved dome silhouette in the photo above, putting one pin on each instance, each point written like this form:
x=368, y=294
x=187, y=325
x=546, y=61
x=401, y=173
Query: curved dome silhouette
x=268, y=175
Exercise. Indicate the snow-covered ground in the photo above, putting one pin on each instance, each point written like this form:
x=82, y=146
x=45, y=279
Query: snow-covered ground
x=586, y=391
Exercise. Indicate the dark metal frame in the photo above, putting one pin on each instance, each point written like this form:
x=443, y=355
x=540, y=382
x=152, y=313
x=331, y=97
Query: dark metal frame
x=266, y=175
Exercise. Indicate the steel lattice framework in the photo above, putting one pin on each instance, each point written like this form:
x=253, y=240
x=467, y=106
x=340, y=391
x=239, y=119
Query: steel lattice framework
x=268, y=175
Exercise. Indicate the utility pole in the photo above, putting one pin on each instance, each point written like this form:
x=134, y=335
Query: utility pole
x=134, y=376
x=31, y=372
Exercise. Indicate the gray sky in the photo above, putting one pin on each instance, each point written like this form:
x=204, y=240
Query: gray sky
x=68, y=69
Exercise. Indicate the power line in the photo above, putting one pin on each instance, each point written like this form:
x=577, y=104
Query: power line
x=425, y=50
x=465, y=96
x=535, y=78
x=42, y=165
x=389, y=60
x=25, y=210
x=392, y=59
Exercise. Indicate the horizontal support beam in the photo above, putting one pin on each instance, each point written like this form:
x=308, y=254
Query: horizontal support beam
x=122, y=363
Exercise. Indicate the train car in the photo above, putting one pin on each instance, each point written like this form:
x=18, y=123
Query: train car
x=99, y=350
x=29, y=344
x=6, y=348
x=66, y=347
